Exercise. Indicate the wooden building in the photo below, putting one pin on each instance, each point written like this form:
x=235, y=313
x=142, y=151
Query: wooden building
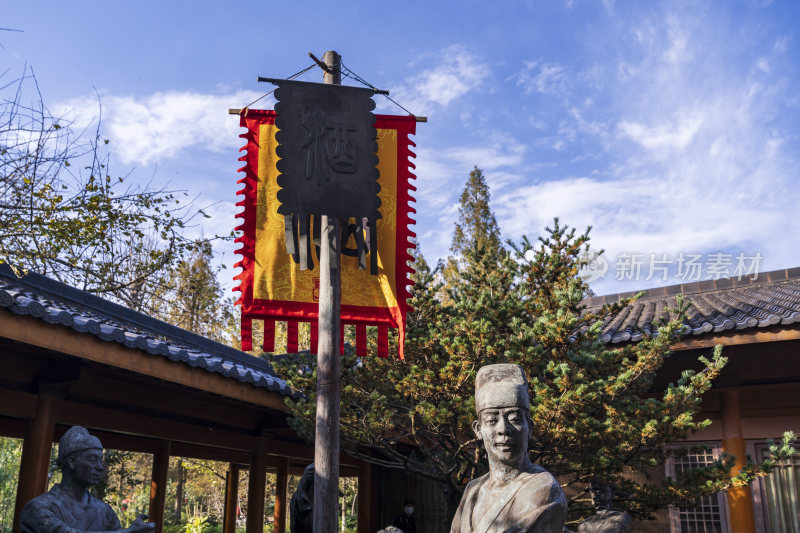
x=70, y=358
x=756, y=398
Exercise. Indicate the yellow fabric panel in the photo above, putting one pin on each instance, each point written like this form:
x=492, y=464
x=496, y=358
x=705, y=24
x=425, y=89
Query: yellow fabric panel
x=278, y=277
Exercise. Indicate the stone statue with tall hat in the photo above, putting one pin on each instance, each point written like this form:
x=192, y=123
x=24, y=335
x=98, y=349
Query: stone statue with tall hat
x=607, y=519
x=516, y=495
x=69, y=507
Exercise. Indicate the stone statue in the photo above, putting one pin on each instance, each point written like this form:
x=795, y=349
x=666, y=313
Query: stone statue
x=301, y=507
x=516, y=496
x=69, y=507
x=607, y=520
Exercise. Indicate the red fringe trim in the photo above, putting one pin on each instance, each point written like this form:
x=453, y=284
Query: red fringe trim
x=291, y=336
x=361, y=340
x=247, y=334
x=383, y=341
x=314, y=336
x=269, y=335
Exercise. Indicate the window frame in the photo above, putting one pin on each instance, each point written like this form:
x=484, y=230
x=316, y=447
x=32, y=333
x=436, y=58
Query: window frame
x=763, y=525
x=669, y=466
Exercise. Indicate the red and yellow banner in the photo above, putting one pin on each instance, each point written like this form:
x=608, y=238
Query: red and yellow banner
x=272, y=285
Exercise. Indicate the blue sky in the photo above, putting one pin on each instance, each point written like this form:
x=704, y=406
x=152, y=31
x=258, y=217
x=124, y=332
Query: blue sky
x=672, y=128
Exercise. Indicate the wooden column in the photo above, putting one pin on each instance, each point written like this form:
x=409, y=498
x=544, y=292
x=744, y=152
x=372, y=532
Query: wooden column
x=158, y=484
x=256, y=489
x=281, y=484
x=366, y=511
x=740, y=500
x=326, y=444
x=231, y=499
x=35, y=459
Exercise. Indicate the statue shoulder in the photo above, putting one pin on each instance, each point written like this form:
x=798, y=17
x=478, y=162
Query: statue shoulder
x=607, y=522
x=108, y=514
x=44, y=508
x=475, y=484
x=46, y=501
x=541, y=485
x=100, y=504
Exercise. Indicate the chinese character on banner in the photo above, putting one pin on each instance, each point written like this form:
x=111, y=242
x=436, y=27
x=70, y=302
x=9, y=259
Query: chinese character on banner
x=273, y=286
x=328, y=164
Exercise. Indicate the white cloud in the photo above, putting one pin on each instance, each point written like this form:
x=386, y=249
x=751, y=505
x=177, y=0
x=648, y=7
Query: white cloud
x=456, y=72
x=145, y=130
x=545, y=78
x=781, y=44
x=608, y=4
x=697, y=150
x=442, y=174
x=664, y=135
x=678, y=47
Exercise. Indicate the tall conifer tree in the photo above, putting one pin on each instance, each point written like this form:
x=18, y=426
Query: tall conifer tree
x=475, y=229
x=476, y=225
x=595, y=417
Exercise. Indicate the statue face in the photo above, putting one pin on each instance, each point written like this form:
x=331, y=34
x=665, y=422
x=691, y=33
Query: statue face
x=87, y=466
x=602, y=494
x=505, y=432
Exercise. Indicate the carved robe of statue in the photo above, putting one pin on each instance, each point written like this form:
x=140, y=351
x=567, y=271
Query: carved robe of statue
x=55, y=512
x=606, y=522
x=533, y=503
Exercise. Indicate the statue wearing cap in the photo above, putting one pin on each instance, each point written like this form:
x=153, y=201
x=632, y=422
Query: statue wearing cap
x=516, y=496
x=69, y=507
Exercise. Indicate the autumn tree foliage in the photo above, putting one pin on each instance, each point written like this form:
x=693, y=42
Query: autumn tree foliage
x=595, y=417
x=64, y=213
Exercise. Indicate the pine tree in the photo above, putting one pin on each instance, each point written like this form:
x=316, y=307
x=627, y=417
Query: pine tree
x=595, y=417
x=476, y=223
x=476, y=228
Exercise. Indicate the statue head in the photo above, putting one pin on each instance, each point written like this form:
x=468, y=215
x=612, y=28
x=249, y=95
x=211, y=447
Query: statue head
x=306, y=484
x=80, y=457
x=602, y=495
x=503, y=407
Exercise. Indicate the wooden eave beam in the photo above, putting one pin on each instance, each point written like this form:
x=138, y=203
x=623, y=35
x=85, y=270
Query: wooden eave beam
x=730, y=338
x=86, y=346
x=161, y=400
x=13, y=427
x=137, y=432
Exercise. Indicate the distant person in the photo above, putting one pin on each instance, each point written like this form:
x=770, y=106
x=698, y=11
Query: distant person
x=69, y=507
x=301, y=506
x=405, y=521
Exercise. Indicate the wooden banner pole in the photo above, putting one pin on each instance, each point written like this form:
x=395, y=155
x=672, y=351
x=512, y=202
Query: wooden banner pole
x=326, y=444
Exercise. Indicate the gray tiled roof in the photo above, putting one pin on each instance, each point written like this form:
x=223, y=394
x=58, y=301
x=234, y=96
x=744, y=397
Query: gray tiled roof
x=59, y=304
x=716, y=305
